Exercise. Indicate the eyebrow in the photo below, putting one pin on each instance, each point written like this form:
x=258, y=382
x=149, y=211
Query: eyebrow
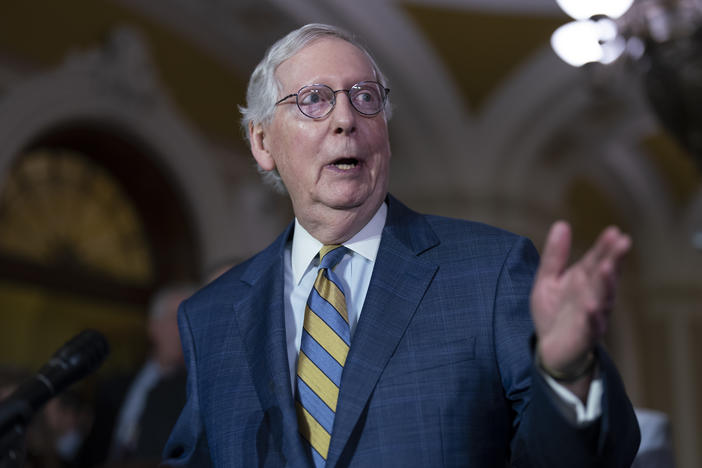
x=326, y=82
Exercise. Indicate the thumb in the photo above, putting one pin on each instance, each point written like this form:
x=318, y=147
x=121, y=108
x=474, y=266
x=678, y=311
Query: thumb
x=556, y=250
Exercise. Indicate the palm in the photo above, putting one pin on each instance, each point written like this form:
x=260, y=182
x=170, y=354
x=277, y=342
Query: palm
x=570, y=306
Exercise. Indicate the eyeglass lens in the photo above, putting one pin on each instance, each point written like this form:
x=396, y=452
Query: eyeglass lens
x=318, y=100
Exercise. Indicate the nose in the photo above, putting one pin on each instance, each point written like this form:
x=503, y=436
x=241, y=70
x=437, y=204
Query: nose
x=343, y=115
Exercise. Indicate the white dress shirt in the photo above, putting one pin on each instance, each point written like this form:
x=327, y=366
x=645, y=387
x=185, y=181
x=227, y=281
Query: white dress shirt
x=355, y=270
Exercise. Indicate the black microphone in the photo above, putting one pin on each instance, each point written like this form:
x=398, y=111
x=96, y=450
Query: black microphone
x=77, y=358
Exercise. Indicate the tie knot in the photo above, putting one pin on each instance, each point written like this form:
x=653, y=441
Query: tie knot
x=330, y=255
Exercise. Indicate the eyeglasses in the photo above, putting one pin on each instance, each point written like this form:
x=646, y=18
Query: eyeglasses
x=318, y=100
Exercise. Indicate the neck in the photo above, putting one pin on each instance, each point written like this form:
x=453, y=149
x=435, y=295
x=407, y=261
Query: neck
x=331, y=226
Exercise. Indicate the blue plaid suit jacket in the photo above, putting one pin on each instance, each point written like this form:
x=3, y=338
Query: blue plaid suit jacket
x=439, y=372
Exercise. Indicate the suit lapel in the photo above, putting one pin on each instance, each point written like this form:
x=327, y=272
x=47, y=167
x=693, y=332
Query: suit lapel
x=400, y=279
x=260, y=316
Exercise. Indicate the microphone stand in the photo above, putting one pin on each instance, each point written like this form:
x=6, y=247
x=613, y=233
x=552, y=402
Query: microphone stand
x=77, y=358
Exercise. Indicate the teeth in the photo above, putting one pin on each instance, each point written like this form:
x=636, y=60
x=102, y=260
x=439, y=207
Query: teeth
x=346, y=163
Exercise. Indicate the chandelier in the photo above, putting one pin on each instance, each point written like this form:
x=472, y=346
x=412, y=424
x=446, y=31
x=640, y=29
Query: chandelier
x=663, y=38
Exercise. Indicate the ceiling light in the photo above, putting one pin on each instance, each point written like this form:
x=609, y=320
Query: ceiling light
x=586, y=41
x=586, y=9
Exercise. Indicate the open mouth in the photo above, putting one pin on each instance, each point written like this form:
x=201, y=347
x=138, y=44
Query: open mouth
x=345, y=163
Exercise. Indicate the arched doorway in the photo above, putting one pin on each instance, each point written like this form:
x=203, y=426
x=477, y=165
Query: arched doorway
x=90, y=227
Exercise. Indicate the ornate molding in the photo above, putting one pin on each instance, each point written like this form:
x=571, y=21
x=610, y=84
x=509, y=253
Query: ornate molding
x=122, y=69
x=116, y=84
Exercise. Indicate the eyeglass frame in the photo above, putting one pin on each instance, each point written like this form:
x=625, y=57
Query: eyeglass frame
x=384, y=97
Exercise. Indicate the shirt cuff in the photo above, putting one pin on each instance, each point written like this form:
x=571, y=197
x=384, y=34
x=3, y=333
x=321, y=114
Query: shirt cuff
x=584, y=413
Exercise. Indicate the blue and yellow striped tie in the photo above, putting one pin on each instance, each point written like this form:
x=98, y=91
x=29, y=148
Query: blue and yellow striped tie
x=325, y=344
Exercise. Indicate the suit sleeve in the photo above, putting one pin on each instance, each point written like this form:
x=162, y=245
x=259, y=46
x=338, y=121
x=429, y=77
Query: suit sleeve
x=187, y=444
x=542, y=435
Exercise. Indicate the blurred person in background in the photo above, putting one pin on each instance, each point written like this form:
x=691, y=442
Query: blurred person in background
x=134, y=414
x=656, y=449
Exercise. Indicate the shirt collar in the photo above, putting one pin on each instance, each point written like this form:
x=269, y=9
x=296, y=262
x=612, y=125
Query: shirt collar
x=365, y=243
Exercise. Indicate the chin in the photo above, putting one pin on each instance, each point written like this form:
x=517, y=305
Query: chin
x=357, y=203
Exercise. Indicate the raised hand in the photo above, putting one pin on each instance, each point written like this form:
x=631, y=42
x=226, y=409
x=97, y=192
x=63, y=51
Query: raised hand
x=570, y=306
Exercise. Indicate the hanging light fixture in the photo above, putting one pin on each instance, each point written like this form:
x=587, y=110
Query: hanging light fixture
x=594, y=35
x=586, y=9
x=585, y=41
x=662, y=39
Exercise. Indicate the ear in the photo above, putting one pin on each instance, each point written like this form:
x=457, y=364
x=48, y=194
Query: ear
x=259, y=147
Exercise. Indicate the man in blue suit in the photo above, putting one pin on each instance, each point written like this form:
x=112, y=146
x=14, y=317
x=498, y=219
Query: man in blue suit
x=461, y=352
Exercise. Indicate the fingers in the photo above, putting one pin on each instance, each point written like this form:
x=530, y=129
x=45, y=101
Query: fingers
x=590, y=284
x=571, y=306
x=611, y=246
x=602, y=264
x=556, y=250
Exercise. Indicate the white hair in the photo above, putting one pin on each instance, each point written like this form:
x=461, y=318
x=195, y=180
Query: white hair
x=263, y=89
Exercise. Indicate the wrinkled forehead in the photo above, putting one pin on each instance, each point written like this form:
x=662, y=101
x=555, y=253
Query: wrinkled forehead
x=330, y=61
